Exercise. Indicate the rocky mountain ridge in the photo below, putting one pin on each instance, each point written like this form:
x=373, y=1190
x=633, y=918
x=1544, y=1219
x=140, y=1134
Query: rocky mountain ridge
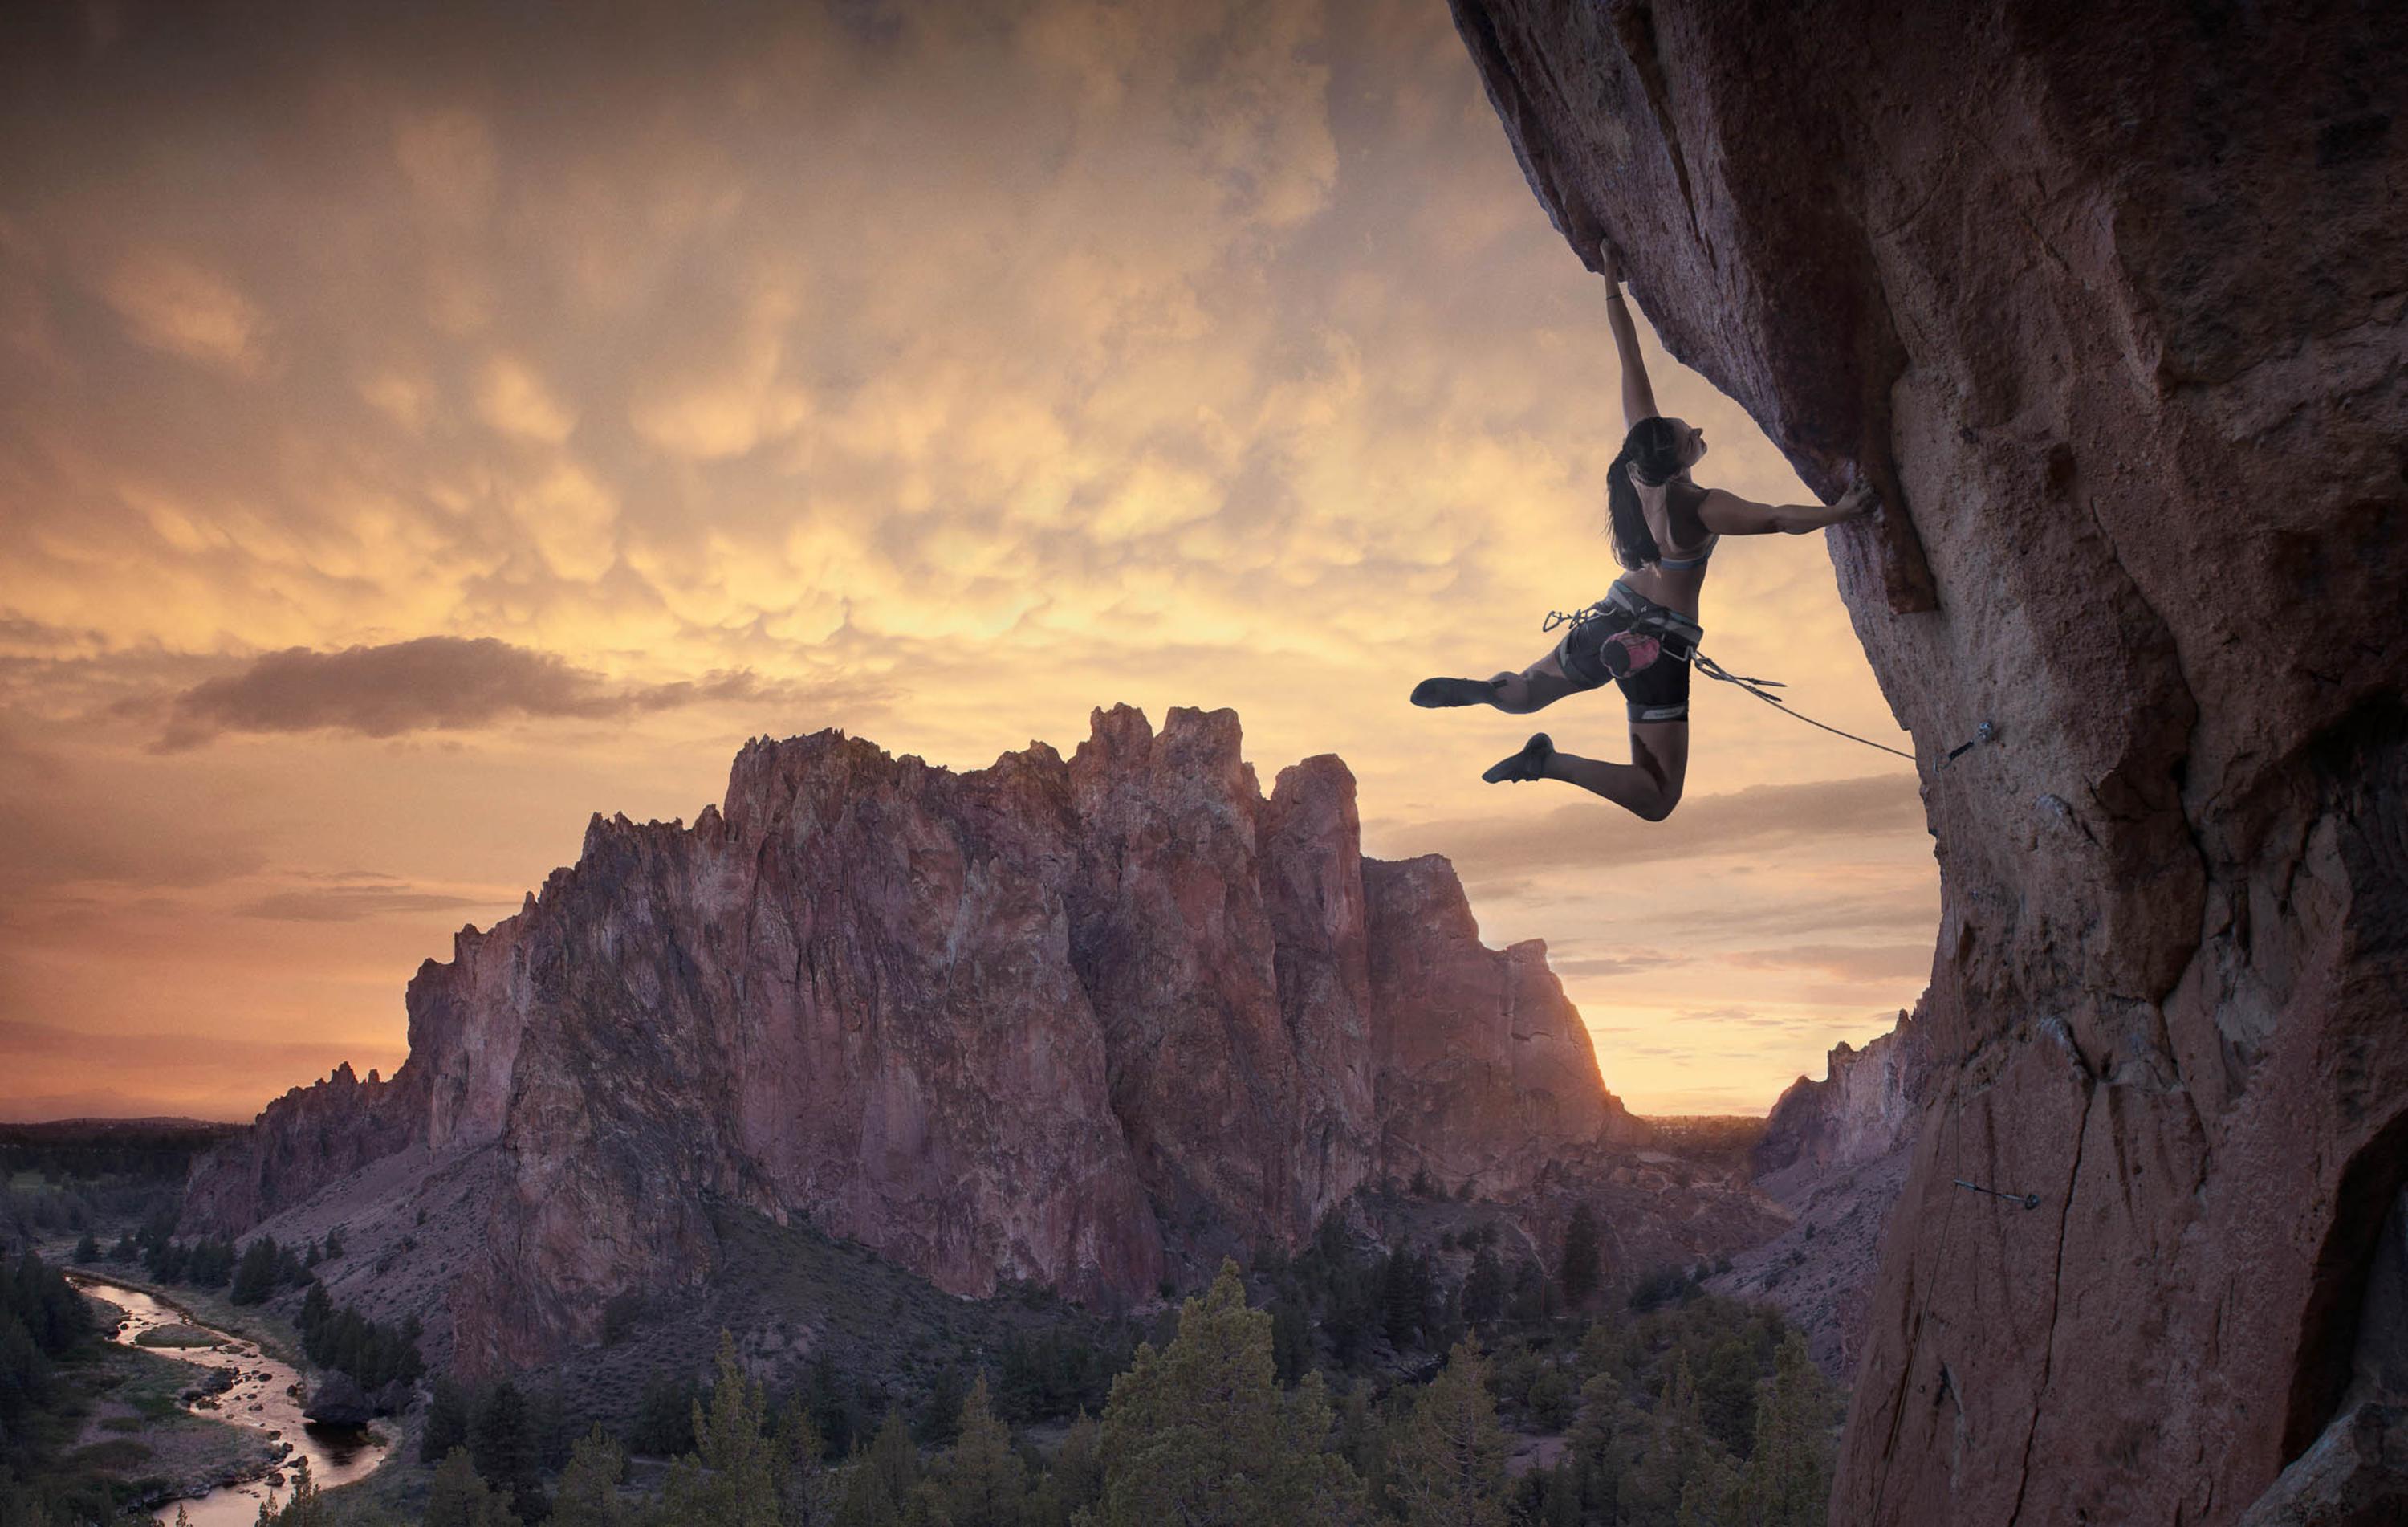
x=1085, y=1022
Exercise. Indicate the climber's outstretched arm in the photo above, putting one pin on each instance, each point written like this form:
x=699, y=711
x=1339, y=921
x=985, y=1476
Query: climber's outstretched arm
x=1728, y=515
x=1638, y=398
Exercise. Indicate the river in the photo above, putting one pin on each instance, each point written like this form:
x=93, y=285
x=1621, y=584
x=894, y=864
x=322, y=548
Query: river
x=262, y=1398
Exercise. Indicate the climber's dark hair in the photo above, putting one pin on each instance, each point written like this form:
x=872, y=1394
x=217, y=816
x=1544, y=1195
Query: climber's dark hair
x=1653, y=447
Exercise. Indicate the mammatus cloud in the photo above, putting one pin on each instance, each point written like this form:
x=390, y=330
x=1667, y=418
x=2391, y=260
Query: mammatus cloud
x=433, y=683
x=1017, y=357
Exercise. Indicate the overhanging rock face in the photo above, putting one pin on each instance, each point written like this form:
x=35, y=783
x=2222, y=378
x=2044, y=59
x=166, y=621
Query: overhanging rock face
x=2109, y=302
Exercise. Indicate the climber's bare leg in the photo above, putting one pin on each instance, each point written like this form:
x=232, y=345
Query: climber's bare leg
x=1534, y=688
x=1649, y=786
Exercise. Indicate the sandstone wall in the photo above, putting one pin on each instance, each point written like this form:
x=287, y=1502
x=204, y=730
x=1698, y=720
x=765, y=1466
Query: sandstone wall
x=2108, y=301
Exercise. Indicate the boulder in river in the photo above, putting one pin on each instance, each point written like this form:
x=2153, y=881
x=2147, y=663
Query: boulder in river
x=340, y=1401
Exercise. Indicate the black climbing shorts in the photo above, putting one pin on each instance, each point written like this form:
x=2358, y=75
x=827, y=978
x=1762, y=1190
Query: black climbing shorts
x=1633, y=642
x=1659, y=691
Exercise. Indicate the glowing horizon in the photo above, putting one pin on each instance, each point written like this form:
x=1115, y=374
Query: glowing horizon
x=408, y=454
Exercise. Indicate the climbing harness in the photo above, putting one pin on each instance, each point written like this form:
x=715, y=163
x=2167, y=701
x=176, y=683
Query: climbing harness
x=1633, y=622
x=1636, y=630
x=2029, y=1200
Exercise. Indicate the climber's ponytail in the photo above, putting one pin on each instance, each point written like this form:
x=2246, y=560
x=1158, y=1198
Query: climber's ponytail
x=1653, y=448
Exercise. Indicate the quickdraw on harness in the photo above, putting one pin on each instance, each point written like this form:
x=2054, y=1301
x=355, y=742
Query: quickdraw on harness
x=1638, y=622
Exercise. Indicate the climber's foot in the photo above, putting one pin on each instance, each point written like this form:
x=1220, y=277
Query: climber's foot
x=1432, y=694
x=1529, y=764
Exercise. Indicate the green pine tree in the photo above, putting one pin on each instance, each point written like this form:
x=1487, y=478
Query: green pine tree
x=1075, y=1482
x=798, y=1451
x=1726, y=1393
x=882, y=1480
x=1598, y=1440
x=1450, y=1468
x=447, y=1422
x=1199, y=1434
x=503, y=1445
x=589, y=1487
x=254, y=1278
x=1582, y=1256
x=1787, y=1482
x=1710, y=1497
x=981, y=1481
x=731, y=1478
x=458, y=1496
x=1676, y=1450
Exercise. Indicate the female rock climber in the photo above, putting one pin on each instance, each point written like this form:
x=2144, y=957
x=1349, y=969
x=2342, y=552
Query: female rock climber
x=1644, y=633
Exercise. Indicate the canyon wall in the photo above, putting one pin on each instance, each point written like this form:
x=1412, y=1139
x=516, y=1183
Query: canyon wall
x=2108, y=303
x=1835, y=1154
x=1087, y=1023
x=1867, y=1106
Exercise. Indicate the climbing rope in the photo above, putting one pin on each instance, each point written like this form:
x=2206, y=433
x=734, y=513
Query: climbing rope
x=1699, y=663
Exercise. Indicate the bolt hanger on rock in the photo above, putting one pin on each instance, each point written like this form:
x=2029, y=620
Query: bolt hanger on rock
x=2029, y=1200
x=1986, y=732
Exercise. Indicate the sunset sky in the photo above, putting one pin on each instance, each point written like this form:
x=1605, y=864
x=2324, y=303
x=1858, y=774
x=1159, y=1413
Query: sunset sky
x=420, y=430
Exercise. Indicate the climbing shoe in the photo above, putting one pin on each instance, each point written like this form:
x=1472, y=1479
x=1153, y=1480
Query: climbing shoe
x=1432, y=694
x=1529, y=764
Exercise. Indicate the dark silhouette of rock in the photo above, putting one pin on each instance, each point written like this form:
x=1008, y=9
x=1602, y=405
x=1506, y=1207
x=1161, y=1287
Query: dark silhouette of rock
x=1087, y=1023
x=2108, y=304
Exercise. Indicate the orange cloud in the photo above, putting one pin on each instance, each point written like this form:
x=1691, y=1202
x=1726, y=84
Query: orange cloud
x=172, y=304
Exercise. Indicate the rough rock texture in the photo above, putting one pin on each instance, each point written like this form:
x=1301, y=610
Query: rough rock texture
x=1484, y=1065
x=305, y=1140
x=2108, y=301
x=1082, y=1023
x=1865, y=1107
x=2355, y=1476
x=1834, y=1155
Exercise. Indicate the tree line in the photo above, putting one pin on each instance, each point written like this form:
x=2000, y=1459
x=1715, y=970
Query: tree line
x=1698, y=1412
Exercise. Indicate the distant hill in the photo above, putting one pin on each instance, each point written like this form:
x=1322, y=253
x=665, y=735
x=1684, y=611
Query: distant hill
x=58, y=1130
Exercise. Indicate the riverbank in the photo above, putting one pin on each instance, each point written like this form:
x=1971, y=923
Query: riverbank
x=241, y=1382
x=140, y=1431
x=257, y=1324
